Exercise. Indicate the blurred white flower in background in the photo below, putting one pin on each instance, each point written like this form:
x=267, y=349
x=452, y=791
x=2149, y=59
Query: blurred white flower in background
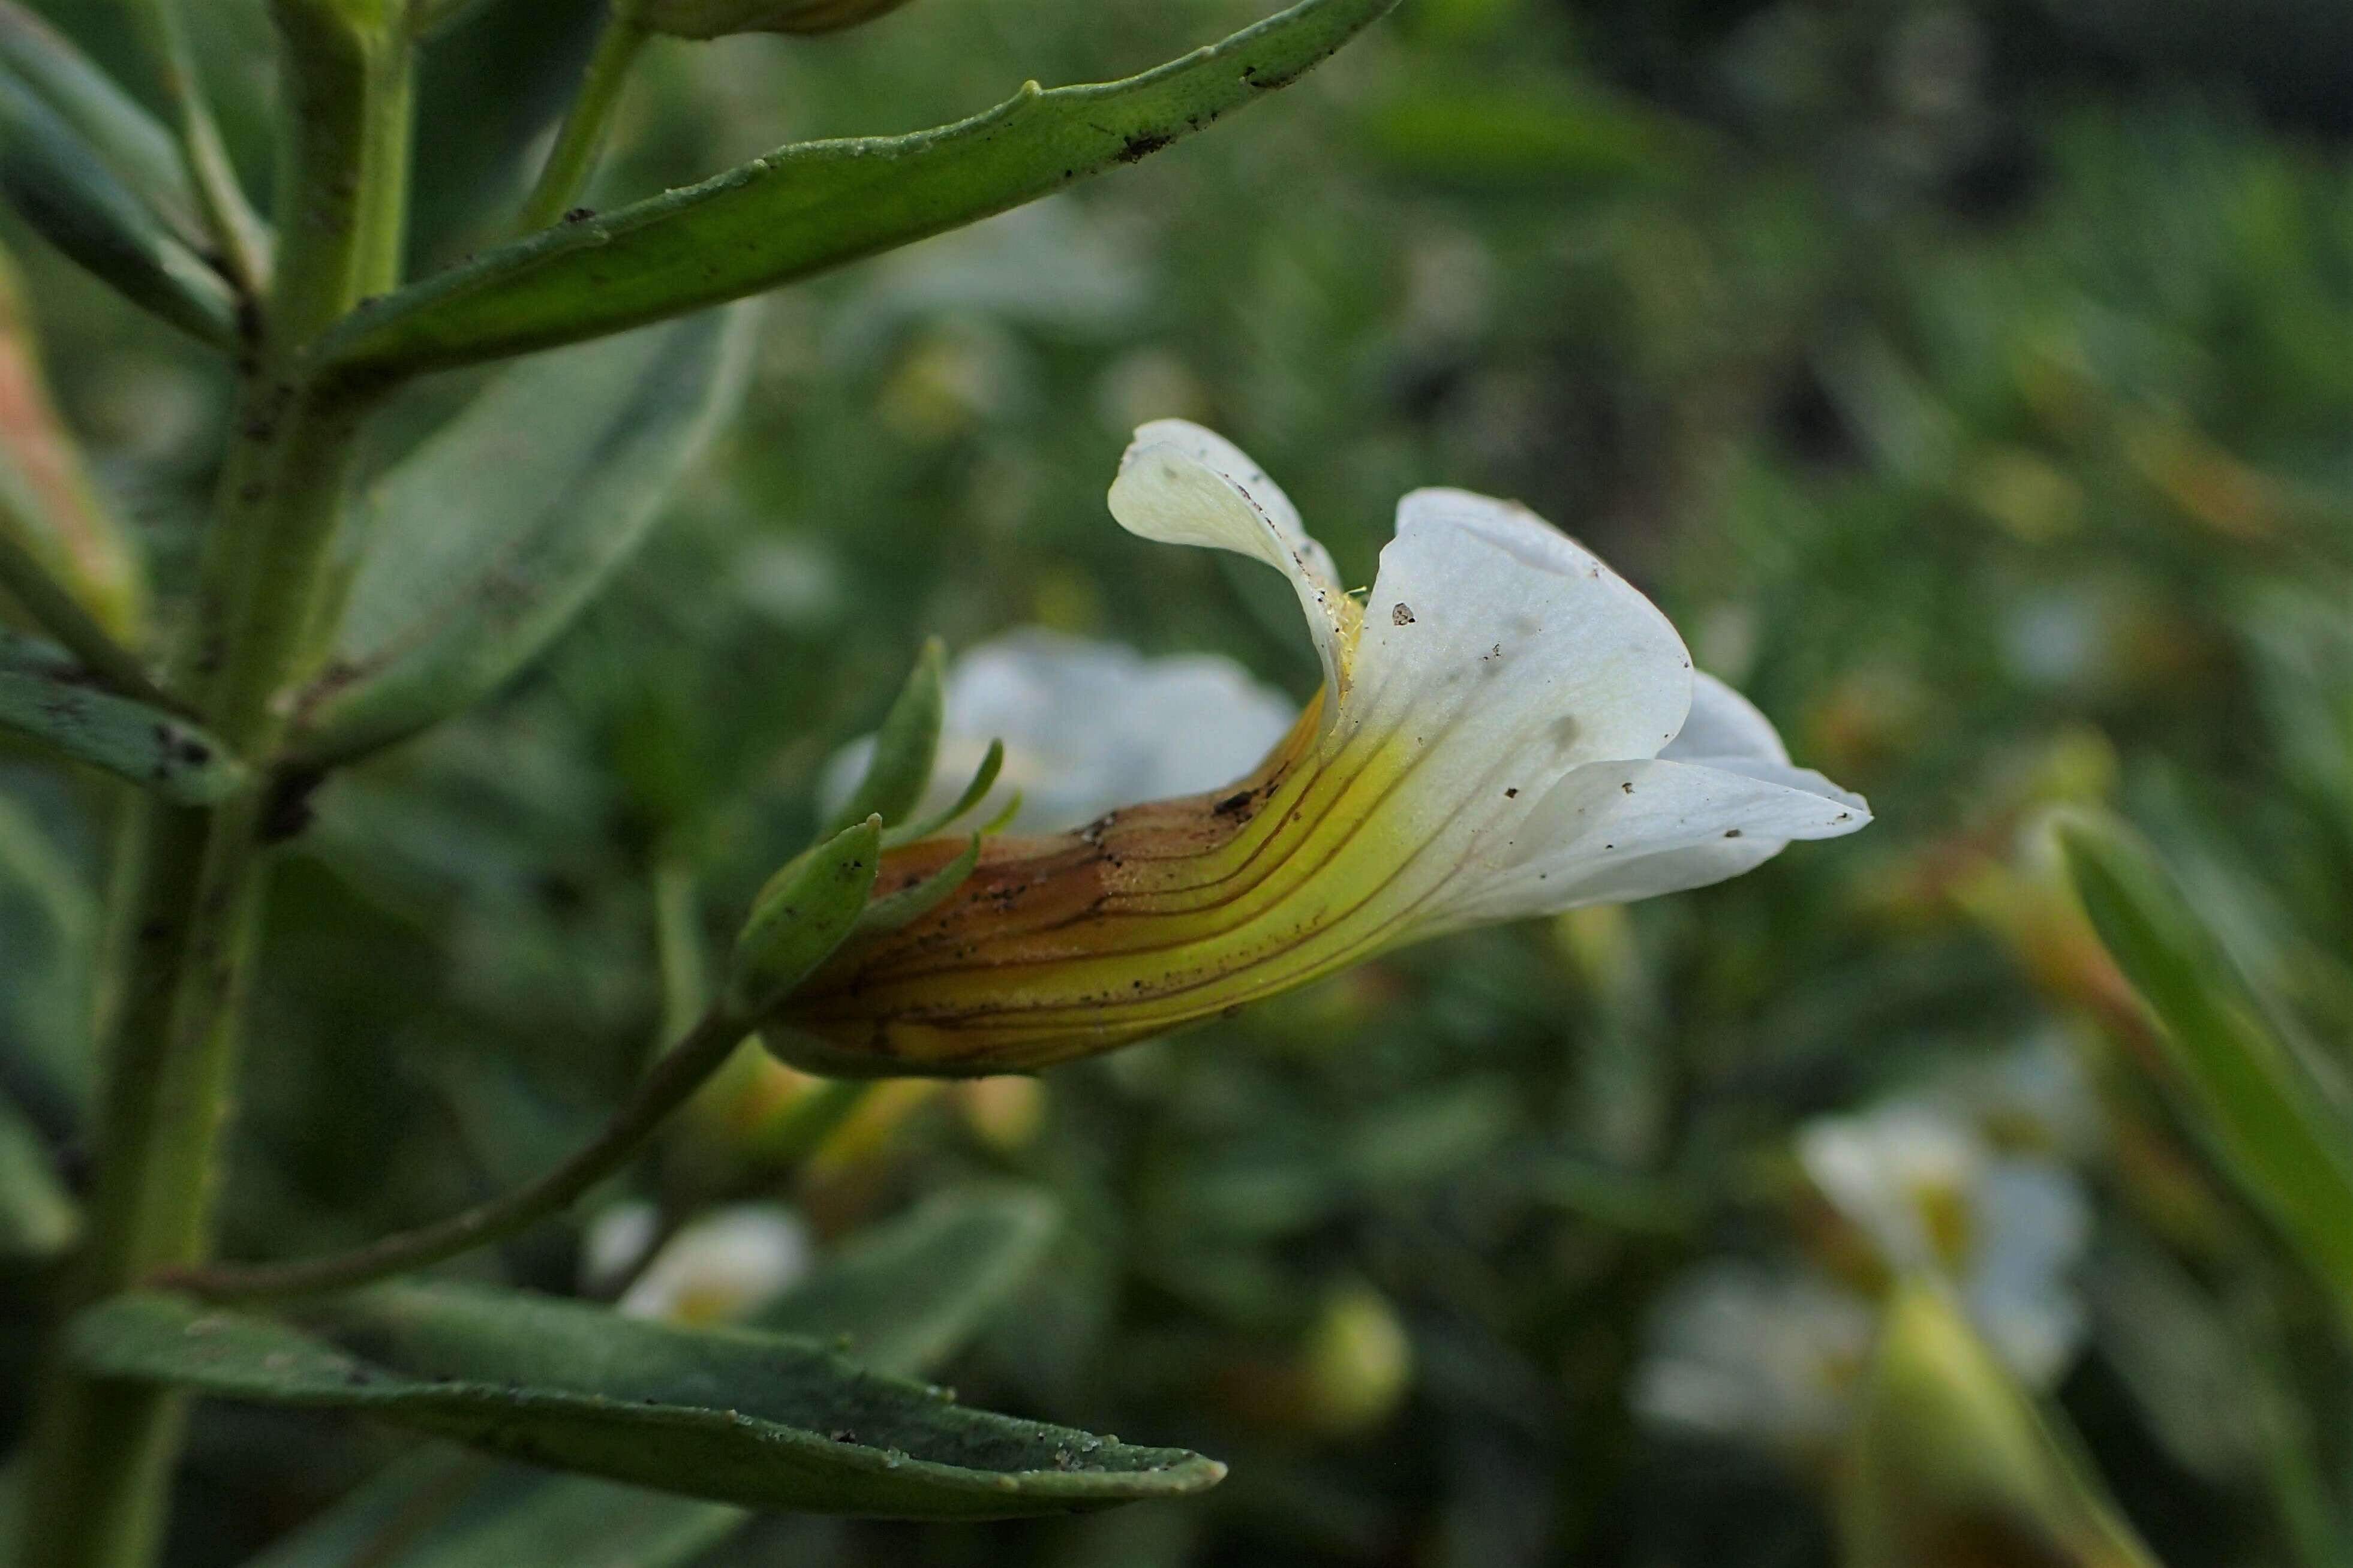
x=723, y=1267
x=1930, y=1195
x=1088, y=726
x=1740, y=1349
x=1966, y=1182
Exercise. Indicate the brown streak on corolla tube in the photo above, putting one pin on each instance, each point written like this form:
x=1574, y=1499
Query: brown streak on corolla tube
x=947, y=983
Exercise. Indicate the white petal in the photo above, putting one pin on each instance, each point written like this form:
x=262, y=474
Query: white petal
x=1612, y=832
x=1499, y=656
x=726, y=1265
x=1723, y=723
x=1874, y=1166
x=1183, y=485
x=1738, y=1350
x=2032, y=1222
x=1088, y=726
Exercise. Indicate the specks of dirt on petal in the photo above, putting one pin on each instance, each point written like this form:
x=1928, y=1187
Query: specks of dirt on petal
x=1732, y=833
x=1400, y=616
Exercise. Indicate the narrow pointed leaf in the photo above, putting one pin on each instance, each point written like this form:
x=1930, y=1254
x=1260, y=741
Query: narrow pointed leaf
x=46, y=698
x=904, y=1296
x=2274, y=1130
x=762, y=1420
x=448, y=1508
x=133, y=143
x=804, y=208
x=486, y=543
x=905, y=747
x=56, y=535
x=66, y=190
x=38, y=1218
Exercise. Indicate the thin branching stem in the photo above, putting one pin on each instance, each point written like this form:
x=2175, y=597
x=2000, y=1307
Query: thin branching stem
x=582, y=139
x=684, y=1068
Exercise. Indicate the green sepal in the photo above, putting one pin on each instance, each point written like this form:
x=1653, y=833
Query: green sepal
x=762, y=1420
x=904, y=748
x=2274, y=1129
x=984, y=779
x=64, y=188
x=806, y=208
x=911, y=903
x=805, y=911
x=48, y=697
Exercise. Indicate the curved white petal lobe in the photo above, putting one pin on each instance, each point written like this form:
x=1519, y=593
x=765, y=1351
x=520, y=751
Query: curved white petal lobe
x=1180, y=484
x=1612, y=832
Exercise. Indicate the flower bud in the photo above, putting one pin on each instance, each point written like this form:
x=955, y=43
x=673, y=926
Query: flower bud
x=1951, y=1467
x=718, y=19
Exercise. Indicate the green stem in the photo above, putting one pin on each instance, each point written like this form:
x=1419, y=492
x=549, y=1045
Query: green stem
x=101, y=1451
x=387, y=150
x=673, y=1080
x=574, y=155
x=58, y=613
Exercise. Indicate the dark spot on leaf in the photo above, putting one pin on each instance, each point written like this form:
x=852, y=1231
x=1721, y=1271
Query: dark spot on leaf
x=1141, y=147
x=579, y=214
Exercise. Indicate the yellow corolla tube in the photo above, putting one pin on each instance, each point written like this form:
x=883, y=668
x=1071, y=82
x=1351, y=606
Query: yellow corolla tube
x=1506, y=728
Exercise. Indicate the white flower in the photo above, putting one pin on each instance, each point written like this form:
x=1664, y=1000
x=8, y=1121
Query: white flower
x=1931, y=1196
x=1739, y=1350
x=724, y=1266
x=1087, y=726
x=1506, y=728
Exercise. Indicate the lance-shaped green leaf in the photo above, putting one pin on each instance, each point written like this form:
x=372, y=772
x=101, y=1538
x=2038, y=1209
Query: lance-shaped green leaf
x=2275, y=1130
x=54, y=530
x=485, y=543
x=762, y=1420
x=38, y=1218
x=900, y=764
x=904, y=1296
x=804, y=208
x=48, y=697
x=132, y=142
x=65, y=189
x=448, y=1508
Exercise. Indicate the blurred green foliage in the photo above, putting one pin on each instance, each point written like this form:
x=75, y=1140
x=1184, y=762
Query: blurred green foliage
x=1972, y=382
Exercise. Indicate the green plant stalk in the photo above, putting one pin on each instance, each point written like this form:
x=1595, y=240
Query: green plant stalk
x=103, y=1452
x=582, y=137
x=684, y=1068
